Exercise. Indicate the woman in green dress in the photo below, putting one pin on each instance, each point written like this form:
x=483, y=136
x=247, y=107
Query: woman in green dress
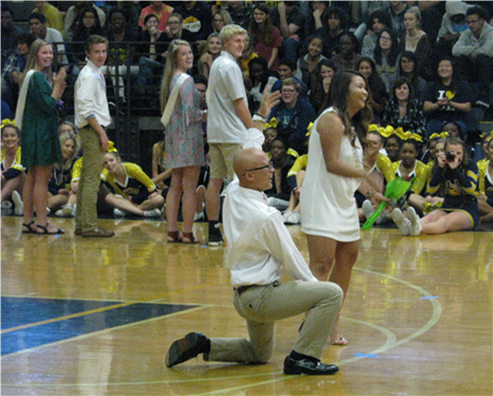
x=38, y=119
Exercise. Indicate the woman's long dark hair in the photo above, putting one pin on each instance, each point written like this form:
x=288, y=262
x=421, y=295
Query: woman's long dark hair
x=82, y=33
x=318, y=97
x=394, y=50
x=375, y=83
x=459, y=142
x=337, y=97
x=264, y=33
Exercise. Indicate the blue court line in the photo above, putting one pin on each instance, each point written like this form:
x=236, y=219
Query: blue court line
x=16, y=313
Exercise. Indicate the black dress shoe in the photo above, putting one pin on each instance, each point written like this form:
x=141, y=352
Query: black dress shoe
x=308, y=367
x=186, y=348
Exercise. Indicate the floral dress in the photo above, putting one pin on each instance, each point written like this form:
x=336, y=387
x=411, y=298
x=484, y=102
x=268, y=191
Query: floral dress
x=184, y=137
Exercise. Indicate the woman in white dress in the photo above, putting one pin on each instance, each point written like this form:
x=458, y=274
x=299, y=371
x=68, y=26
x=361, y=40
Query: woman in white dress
x=334, y=172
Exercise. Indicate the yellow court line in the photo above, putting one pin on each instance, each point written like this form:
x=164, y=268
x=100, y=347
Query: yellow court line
x=92, y=311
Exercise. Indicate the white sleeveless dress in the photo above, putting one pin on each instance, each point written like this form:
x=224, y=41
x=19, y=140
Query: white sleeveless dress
x=328, y=206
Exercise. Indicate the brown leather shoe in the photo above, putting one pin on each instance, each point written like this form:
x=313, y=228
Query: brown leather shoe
x=98, y=232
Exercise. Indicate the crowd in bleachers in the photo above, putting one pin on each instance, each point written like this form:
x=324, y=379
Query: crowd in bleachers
x=428, y=66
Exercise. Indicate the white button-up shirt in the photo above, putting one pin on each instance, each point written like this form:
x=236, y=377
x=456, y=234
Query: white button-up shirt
x=258, y=241
x=90, y=97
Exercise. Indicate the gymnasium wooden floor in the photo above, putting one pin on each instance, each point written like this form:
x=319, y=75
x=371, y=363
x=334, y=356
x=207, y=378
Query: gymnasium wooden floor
x=96, y=317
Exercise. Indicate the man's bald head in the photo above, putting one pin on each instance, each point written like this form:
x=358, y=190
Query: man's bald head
x=246, y=164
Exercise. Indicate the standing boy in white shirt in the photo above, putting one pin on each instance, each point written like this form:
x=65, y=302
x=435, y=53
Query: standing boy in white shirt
x=228, y=121
x=92, y=116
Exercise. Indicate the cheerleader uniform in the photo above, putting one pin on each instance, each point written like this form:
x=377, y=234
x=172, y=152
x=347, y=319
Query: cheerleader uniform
x=460, y=190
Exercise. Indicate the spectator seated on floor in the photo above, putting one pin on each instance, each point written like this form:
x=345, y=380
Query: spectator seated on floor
x=13, y=173
x=294, y=115
x=282, y=162
x=59, y=189
x=129, y=181
x=485, y=201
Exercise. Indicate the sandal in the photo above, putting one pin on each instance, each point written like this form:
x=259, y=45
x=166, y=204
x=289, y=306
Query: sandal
x=189, y=238
x=339, y=341
x=174, y=237
x=46, y=232
x=30, y=229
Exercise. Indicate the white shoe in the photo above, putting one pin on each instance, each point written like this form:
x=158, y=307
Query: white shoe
x=19, y=205
x=416, y=226
x=118, y=213
x=198, y=216
x=295, y=218
x=401, y=222
x=48, y=211
x=152, y=213
x=65, y=211
x=6, y=208
x=367, y=208
x=286, y=215
x=74, y=209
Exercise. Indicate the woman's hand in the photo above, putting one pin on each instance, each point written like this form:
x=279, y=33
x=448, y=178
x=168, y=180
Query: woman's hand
x=441, y=160
x=74, y=186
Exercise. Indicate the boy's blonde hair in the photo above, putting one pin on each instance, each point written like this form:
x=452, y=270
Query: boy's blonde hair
x=229, y=31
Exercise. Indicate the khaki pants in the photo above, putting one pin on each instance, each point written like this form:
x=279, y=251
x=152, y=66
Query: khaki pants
x=86, y=215
x=261, y=306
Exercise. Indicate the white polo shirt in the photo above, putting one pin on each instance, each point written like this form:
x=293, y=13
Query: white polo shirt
x=224, y=125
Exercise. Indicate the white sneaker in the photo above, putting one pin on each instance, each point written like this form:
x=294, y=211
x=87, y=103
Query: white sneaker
x=367, y=208
x=74, y=209
x=19, y=205
x=65, y=211
x=401, y=222
x=286, y=215
x=198, y=216
x=118, y=213
x=295, y=218
x=6, y=208
x=152, y=213
x=416, y=226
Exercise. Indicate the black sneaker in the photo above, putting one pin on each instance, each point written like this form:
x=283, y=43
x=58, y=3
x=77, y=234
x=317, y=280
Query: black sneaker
x=186, y=348
x=215, y=240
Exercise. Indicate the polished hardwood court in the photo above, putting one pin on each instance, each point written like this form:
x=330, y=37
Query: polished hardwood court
x=96, y=316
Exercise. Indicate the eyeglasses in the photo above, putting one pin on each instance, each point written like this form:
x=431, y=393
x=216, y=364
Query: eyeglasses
x=385, y=38
x=473, y=21
x=285, y=90
x=270, y=166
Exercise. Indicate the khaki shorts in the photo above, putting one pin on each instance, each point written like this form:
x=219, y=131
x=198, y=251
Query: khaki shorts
x=222, y=155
